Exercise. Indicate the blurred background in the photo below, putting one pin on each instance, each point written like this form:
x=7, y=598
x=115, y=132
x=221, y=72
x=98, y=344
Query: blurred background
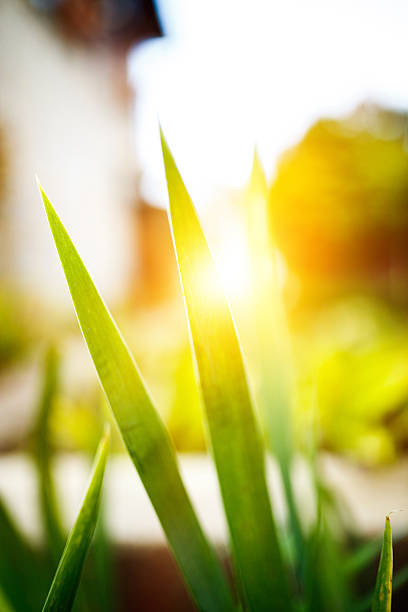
x=319, y=89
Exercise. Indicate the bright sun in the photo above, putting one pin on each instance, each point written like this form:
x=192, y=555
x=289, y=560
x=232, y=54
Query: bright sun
x=233, y=263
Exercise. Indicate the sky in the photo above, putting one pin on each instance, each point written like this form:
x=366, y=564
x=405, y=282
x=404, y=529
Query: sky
x=230, y=75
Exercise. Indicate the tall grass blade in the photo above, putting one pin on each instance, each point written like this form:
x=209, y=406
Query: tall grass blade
x=326, y=586
x=54, y=534
x=143, y=431
x=5, y=605
x=66, y=580
x=42, y=454
x=233, y=431
x=276, y=394
x=23, y=588
x=97, y=591
x=277, y=386
x=383, y=587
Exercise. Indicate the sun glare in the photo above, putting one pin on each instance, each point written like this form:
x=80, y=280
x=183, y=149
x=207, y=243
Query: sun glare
x=233, y=263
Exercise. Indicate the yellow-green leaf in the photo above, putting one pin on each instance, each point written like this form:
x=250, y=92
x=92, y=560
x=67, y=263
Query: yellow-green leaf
x=66, y=580
x=233, y=431
x=383, y=587
x=142, y=430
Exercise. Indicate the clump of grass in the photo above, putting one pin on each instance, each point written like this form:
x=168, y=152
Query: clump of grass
x=266, y=575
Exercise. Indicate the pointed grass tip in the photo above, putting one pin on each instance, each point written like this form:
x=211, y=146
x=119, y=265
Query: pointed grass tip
x=43, y=195
x=37, y=180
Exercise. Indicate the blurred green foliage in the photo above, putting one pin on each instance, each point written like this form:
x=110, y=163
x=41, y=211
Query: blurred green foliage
x=339, y=201
x=338, y=208
x=16, y=332
x=353, y=358
x=349, y=384
x=305, y=570
x=26, y=570
x=339, y=215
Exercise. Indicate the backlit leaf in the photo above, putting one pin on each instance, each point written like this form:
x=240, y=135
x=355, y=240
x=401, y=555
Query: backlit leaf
x=233, y=431
x=143, y=431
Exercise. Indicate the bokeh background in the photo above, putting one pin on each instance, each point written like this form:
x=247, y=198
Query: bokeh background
x=317, y=92
x=318, y=88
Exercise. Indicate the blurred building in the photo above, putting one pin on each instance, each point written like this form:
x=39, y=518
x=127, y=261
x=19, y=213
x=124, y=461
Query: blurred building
x=65, y=115
x=156, y=277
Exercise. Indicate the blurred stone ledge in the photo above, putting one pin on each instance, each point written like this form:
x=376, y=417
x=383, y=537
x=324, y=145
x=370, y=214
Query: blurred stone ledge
x=365, y=496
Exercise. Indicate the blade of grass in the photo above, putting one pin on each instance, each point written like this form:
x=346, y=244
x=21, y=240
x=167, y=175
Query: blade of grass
x=66, y=580
x=326, y=586
x=142, y=430
x=99, y=577
x=366, y=554
x=5, y=605
x=48, y=502
x=324, y=578
x=23, y=588
x=383, y=587
x=233, y=431
x=43, y=459
x=276, y=394
x=362, y=557
x=400, y=578
x=275, y=359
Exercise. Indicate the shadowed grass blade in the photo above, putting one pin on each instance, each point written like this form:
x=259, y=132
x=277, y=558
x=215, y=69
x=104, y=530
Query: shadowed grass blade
x=362, y=557
x=325, y=583
x=234, y=435
x=5, y=605
x=400, y=578
x=66, y=580
x=101, y=573
x=383, y=587
x=43, y=460
x=23, y=588
x=143, y=431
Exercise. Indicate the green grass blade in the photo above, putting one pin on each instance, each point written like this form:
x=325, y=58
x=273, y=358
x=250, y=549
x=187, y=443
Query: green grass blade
x=362, y=557
x=383, y=587
x=103, y=568
x=43, y=459
x=277, y=388
x=5, y=605
x=399, y=580
x=66, y=580
x=97, y=591
x=42, y=454
x=23, y=588
x=325, y=582
x=143, y=431
x=234, y=435
x=276, y=394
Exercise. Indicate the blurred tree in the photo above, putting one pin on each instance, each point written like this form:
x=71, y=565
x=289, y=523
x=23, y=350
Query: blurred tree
x=339, y=214
x=340, y=205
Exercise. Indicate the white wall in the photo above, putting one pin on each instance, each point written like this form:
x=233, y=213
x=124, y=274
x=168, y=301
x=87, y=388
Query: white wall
x=63, y=121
